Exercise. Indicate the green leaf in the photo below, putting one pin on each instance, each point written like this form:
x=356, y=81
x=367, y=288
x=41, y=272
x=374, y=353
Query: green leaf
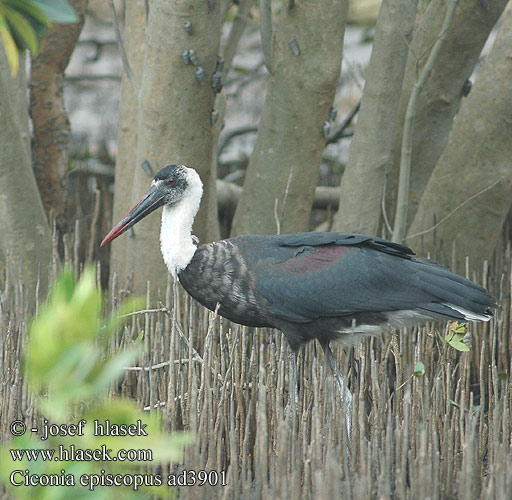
x=64, y=287
x=115, y=368
x=460, y=346
x=64, y=331
x=58, y=11
x=140, y=338
x=11, y=50
x=30, y=9
x=459, y=327
x=441, y=338
x=419, y=369
x=455, y=336
x=33, y=14
x=121, y=316
x=22, y=30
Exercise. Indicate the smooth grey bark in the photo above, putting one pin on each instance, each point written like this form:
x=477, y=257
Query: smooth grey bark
x=441, y=96
x=174, y=121
x=134, y=42
x=402, y=201
x=477, y=156
x=286, y=157
x=25, y=233
x=368, y=163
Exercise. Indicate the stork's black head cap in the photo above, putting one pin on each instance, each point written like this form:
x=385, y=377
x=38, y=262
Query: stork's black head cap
x=172, y=182
x=170, y=171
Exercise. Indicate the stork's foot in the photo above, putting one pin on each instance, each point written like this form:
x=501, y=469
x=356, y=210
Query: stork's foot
x=345, y=394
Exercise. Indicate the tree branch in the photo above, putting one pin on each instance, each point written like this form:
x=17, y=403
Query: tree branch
x=226, y=139
x=266, y=32
x=341, y=132
x=465, y=202
x=405, y=161
x=120, y=45
x=235, y=34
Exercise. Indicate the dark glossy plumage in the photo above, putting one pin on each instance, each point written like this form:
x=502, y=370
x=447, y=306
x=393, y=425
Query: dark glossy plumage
x=327, y=285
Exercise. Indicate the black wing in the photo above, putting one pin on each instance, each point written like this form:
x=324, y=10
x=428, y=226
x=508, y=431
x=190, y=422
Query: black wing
x=306, y=276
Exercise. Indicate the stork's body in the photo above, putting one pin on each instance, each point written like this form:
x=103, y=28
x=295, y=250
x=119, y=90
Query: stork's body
x=328, y=286
x=325, y=286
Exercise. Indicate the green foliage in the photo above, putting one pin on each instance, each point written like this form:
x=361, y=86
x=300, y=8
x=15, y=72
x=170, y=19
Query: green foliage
x=419, y=369
x=67, y=366
x=455, y=335
x=59, y=11
x=65, y=355
x=23, y=22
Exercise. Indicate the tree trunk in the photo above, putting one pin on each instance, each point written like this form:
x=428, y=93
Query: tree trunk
x=134, y=40
x=306, y=60
x=459, y=196
x=49, y=117
x=441, y=96
x=25, y=234
x=174, y=122
x=368, y=163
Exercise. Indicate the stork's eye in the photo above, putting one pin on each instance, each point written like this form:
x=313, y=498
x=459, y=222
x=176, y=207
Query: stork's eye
x=171, y=181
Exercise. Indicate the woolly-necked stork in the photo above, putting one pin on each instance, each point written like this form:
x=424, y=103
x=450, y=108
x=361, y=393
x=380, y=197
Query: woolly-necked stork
x=324, y=286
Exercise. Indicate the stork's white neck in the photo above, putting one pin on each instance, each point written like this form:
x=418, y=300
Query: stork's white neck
x=176, y=240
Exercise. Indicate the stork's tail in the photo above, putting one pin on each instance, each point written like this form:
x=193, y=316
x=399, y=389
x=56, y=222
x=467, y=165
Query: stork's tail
x=459, y=298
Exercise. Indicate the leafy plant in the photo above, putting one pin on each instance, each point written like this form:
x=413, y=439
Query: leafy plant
x=419, y=369
x=24, y=22
x=68, y=368
x=455, y=335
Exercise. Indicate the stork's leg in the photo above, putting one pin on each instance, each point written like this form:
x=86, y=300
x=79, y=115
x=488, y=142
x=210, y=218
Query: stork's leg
x=293, y=382
x=345, y=394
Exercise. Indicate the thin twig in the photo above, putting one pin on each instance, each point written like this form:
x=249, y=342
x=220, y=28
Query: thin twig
x=120, y=45
x=276, y=217
x=91, y=78
x=165, y=310
x=231, y=358
x=97, y=43
x=92, y=168
x=145, y=311
x=196, y=355
x=383, y=205
x=163, y=364
x=405, y=39
x=226, y=139
x=341, y=130
x=146, y=10
x=235, y=34
x=279, y=219
x=266, y=32
x=357, y=78
x=437, y=224
x=239, y=83
x=405, y=158
x=286, y=192
x=94, y=223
